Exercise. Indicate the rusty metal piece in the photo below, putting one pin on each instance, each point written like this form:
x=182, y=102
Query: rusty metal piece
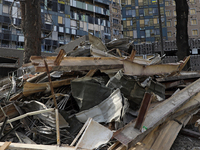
x=143, y=110
x=55, y=103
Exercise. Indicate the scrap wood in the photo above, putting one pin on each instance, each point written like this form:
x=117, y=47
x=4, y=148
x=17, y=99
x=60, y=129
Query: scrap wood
x=5, y=145
x=9, y=110
x=162, y=137
x=31, y=88
x=137, y=69
x=77, y=63
x=28, y=114
x=166, y=136
x=54, y=98
x=14, y=146
x=181, y=66
x=130, y=136
x=60, y=57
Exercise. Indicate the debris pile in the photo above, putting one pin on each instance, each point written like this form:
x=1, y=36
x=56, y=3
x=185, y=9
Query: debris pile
x=97, y=96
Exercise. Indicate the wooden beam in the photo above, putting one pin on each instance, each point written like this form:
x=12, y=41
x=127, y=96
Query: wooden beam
x=143, y=110
x=60, y=57
x=132, y=56
x=14, y=146
x=5, y=145
x=31, y=88
x=137, y=69
x=130, y=136
x=77, y=63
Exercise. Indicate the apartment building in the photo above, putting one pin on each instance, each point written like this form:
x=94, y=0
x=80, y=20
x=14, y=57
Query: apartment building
x=141, y=22
x=115, y=19
x=193, y=19
x=66, y=19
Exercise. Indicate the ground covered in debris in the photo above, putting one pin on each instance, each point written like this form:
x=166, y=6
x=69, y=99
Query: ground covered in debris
x=184, y=142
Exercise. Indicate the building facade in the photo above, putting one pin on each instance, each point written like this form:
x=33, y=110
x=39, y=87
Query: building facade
x=193, y=19
x=116, y=27
x=66, y=20
x=140, y=20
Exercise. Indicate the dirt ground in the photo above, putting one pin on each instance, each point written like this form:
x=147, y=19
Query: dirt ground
x=183, y=142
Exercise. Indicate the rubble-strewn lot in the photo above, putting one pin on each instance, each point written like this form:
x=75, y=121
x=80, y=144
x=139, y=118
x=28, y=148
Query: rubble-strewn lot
x=98, y=96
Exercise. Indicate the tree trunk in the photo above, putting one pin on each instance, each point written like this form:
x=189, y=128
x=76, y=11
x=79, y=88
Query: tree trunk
x=31, y=27
x=182, y=29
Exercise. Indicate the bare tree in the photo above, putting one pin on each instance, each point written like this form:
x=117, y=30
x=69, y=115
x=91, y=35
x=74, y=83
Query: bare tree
x=182, y=28
x=31, y=27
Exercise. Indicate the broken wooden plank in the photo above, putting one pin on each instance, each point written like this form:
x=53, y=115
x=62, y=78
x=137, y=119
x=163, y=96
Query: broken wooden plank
x=10, y=111
x=60, y=57
x=130, y=136
x=136, y=69
x=28, y=114
x=14, y=146
x=162, y=137
x=5, y=145
x=143, y=110
x=77, y=63
x=132, y=56
x=31, y=88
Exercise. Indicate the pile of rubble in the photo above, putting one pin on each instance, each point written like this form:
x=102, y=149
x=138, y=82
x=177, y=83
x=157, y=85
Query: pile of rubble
x=97, y=96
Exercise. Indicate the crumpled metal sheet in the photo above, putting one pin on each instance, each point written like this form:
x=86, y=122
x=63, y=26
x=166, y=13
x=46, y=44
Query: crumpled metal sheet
x=48, y=118
x=97, y=43
x=108, y=110
x=94, y=136
x=132, y=88
x=88, y=92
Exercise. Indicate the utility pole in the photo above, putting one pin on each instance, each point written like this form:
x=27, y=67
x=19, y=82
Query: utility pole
x=160, y=27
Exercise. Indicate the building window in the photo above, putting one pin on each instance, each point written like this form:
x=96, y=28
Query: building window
x=140, y=2
x=147, y=33
x=114, y=10
x=146, y=11
x=129, y=2
x=142, y=23
x=60, y=20
x=166, y=3
x=5, y=9
x=193, y=21
x=174, y=12
x=48, y=18
x=155, y=21
x=168, y=23
x=192, y=11
x=192, y=1
x=175, y=22
x=116, y=21
x=168, y=13
x=195, y=32
x=169, y=33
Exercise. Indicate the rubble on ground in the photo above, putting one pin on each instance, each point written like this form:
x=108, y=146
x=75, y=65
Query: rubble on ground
x=98, y=96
